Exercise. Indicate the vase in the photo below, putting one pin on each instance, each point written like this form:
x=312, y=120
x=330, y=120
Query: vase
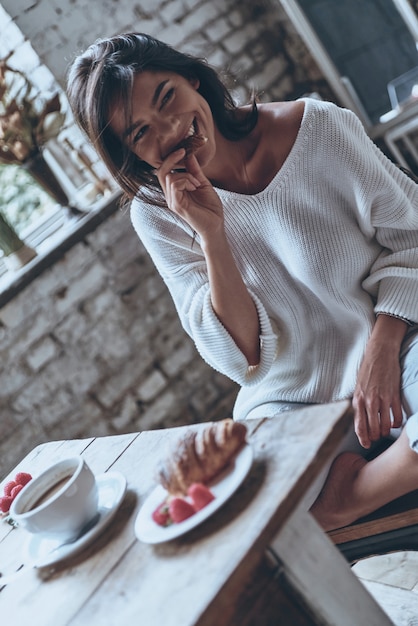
x=40, y=170
x=17, y=259
x=16, y=252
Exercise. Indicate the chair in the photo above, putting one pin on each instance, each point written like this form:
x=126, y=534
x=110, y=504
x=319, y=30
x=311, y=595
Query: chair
x=392, y=528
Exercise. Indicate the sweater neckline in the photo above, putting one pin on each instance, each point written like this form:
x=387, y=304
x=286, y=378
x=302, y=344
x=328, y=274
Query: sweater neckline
x=281, y=173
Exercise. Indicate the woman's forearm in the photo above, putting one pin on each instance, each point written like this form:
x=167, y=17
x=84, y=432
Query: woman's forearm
x=231, y=300
x=389, y=331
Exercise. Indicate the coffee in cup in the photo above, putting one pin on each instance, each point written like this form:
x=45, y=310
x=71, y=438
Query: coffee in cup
x=58, y=503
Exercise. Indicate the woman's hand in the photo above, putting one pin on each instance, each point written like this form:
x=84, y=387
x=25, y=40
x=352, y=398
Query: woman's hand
x=378, y=388
x=190, y=195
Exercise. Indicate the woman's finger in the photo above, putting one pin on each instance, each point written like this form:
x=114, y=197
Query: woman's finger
x=173, y=174
x=361, y=423
x=194, y=168
x=172, y=162
x=372, y=408
x=176, y=185
x=397, y=412
x=385, y=420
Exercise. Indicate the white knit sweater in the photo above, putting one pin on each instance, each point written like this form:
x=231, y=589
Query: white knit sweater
x=332, y=240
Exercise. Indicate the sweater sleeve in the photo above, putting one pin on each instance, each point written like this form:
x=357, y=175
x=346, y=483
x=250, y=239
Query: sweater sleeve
x=181, y=264
x=393, y=278
x=386, y=202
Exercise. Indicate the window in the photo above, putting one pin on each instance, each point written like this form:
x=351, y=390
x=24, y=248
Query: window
x=72, y=175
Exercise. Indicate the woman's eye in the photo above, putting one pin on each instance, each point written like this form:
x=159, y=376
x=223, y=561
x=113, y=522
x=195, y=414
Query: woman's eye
x=139, y=134
x=167, y=97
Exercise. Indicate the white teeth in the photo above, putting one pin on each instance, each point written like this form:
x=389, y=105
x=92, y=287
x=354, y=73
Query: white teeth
x=191, y=131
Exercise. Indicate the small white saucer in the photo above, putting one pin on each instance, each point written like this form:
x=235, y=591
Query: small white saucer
x=41, y=552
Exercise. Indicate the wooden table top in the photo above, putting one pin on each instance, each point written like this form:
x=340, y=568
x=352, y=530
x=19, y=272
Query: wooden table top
x=192, y=579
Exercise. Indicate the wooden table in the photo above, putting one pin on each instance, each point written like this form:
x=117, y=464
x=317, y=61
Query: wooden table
x=261, y=559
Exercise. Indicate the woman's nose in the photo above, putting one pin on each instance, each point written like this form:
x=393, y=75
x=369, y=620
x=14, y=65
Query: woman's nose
x=169, y=126
x=168, y=135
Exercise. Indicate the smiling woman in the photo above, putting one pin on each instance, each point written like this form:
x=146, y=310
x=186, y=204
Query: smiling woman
x=288, y=242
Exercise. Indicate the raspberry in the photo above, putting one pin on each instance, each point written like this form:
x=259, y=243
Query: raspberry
x=161, y=516
x=9, y=486
x=22, y=478
x=180, y=510
x=5, y=503
x=16, y=490
x=200, y=495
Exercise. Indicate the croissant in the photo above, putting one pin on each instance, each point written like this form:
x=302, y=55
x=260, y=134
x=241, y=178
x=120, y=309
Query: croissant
x=192, y=143
x=199, y=457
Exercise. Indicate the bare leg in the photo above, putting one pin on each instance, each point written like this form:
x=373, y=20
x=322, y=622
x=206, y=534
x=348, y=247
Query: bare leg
x=355, y=487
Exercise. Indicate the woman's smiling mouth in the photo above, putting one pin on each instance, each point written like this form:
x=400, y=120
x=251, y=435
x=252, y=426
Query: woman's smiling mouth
x=192, y=141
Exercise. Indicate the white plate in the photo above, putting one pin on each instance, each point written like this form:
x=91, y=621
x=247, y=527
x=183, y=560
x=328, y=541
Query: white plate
x=41, y=552
x=222, y=488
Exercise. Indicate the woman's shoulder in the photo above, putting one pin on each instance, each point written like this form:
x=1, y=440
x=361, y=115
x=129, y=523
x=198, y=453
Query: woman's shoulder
x=282, y=115
x=290, y=114
x=309, y=115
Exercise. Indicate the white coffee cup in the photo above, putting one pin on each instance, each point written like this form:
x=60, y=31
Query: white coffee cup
x=58, y=503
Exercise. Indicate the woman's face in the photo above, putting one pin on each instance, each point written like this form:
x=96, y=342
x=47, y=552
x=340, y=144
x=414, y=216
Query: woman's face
x=166, y=108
